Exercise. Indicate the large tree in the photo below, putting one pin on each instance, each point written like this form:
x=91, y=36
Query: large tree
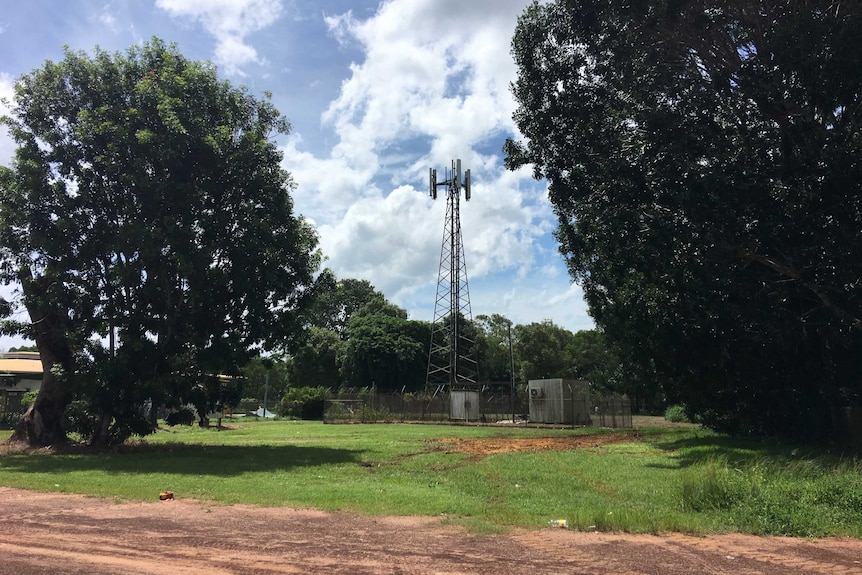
x=385, y=350
x=316, y=362
x=703, y=158
x=494, y=353
x=543, y=350
x=272, y=369
x=339, y=300
x=150, y=227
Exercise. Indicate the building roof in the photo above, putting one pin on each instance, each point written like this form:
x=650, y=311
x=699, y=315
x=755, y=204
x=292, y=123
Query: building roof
x=19, y=355
x=21, y=366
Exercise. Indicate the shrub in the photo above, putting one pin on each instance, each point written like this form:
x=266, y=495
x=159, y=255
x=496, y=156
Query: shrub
x=184, y=416
x=9, y=419
x=81, y=418
x=27, y=400
x=304, y=402
x=78, y=419
x=338, y=411
x=374, y=415
x=676, y=414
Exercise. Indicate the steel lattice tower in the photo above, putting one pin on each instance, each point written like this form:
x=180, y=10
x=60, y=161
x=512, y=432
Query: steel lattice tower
x=451, y=357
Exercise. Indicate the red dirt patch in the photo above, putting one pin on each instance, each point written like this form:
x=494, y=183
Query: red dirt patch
x=495, y=445
x=48, y=533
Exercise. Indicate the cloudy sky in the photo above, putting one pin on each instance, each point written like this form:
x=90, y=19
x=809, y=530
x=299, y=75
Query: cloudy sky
x=377, y=93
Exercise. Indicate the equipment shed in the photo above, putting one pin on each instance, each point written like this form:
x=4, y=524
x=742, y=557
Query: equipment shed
x=559, y=401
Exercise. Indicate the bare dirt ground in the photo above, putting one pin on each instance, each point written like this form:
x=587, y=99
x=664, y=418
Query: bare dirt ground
x=492, y=445
x=51, y=533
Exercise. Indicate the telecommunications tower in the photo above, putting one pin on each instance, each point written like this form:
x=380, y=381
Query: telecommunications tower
x=451, y=357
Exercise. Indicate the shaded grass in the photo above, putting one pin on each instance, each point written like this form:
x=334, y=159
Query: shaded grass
x=664, y=480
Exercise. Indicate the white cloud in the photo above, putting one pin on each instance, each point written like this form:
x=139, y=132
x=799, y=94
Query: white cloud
x=107, y=20
x=433, y=85
x=394, y=240
x=232, y=53
x=230, y=21
x=446, y=77
x=327, y=187
x=389, y=241
x=7, y=145
x=427, y=76
x=527, y=301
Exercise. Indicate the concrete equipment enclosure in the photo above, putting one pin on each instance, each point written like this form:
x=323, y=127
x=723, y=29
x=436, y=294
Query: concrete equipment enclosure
x=559, y=401
x=464, y=405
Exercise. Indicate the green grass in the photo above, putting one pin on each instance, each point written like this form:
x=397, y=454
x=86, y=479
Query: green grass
x=666, y=480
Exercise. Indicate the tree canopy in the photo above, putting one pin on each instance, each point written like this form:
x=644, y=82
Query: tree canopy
x=544, y=350
x=339, y=300
x=703, y=160
x=149, y=223
x=387, y=352
x=493, y=352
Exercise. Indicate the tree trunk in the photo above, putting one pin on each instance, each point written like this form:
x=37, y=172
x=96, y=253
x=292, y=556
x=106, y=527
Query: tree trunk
x=101, y=436
x=42, y=423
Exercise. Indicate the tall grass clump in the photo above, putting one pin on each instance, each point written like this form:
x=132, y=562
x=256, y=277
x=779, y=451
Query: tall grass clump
x=805, y=498
x=714, y=487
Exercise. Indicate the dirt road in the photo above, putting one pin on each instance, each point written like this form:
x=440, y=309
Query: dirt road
x=46, y=533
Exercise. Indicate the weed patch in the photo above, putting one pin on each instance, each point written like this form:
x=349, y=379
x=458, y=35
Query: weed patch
x=806, y=499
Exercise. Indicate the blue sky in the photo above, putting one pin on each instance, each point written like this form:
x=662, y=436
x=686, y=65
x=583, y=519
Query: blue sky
x=377, y=93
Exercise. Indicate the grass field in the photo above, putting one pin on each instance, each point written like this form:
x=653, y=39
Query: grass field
x=662, y=479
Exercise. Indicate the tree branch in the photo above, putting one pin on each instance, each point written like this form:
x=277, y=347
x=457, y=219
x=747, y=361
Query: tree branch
x=792, y=273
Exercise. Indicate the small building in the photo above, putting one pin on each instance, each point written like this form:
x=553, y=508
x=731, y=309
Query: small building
x=559, y=401
x=20, y=372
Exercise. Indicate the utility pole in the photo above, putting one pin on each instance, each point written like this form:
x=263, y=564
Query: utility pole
x=512, y=370
x=265, y=393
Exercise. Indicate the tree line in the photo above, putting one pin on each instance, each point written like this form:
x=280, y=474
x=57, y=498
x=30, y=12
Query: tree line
x=356, y=339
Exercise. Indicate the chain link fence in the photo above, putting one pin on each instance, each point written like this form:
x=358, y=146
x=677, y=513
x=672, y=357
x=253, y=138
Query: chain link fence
x=10, y=409
x=612, y=411
x=494, y=407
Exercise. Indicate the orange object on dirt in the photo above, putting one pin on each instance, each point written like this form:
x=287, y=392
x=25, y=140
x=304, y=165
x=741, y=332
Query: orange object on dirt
x=166, y=495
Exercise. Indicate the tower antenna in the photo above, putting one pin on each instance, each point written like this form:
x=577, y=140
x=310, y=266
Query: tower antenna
x=451, y=357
